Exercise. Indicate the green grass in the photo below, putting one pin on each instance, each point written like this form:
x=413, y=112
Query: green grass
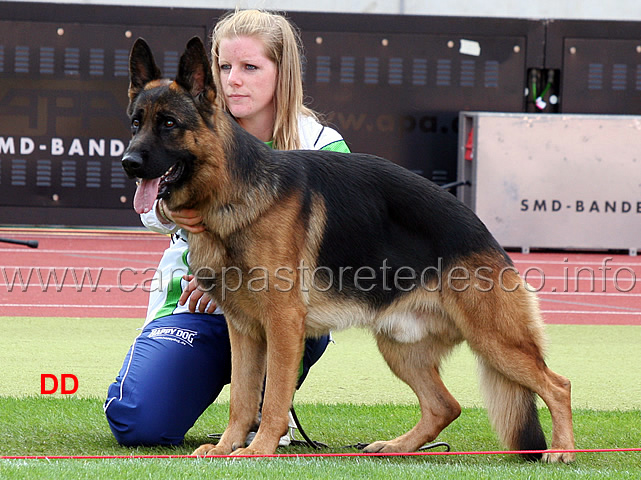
x=74, y=426
x=601, y=361
x=349, y=397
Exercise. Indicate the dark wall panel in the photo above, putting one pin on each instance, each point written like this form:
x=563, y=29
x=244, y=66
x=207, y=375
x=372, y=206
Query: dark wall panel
x=393, y=86
x=600, y=64
x=399, y=94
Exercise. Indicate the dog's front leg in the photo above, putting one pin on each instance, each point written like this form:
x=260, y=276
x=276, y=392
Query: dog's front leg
x=285, y=343
x=247, y=374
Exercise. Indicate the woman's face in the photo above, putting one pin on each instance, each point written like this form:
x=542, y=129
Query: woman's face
x=248, y=79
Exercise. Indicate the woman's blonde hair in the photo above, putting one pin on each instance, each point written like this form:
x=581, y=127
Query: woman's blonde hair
x=283, y=46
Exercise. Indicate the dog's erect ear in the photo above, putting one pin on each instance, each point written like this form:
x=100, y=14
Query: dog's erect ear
x=142, y=68
x=194, y=70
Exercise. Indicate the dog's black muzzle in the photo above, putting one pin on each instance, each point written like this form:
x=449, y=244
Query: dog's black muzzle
x=132, y=164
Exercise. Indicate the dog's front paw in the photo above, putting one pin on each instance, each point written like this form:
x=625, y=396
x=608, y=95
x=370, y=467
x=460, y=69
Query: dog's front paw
x=553, y=457
x=383, y=447
x=207, y=449
x=249, y=451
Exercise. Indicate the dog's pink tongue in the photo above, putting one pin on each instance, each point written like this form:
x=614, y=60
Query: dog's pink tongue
x=146, y=194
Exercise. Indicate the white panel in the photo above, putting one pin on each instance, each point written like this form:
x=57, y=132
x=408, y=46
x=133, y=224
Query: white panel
x=556, y=181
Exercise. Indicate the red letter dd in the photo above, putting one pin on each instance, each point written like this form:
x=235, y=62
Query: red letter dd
x=43, y=381
x=63, y=383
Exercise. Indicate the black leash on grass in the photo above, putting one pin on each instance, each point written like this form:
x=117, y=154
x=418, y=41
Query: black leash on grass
x=319, y=445
x=360, y=446
x=308, y=441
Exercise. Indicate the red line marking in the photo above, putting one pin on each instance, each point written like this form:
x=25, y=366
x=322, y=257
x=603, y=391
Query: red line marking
x=318, y=455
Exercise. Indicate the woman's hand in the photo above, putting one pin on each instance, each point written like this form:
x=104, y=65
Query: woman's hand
x=188, y=219
x=199, y=300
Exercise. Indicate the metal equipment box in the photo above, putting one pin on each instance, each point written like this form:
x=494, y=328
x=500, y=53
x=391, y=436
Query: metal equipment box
x=554, y=181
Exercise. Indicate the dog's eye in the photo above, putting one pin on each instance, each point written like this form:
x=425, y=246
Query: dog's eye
x=169, y=123
x=135, y=125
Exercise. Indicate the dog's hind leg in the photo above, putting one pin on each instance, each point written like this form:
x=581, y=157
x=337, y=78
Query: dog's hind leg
x=504, y=328
x=513, y=413
x=417, y=364
x=509, y=380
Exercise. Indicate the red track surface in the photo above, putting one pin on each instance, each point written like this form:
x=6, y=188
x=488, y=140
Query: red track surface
x=78, y=273
x=97, y=273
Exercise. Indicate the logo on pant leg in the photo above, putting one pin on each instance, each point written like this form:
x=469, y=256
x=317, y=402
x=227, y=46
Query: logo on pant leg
x=179, y=335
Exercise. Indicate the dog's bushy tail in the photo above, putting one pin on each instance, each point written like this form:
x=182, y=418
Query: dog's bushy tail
x=512, y=411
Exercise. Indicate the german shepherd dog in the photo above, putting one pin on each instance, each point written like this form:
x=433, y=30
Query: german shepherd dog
x=299, y=243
